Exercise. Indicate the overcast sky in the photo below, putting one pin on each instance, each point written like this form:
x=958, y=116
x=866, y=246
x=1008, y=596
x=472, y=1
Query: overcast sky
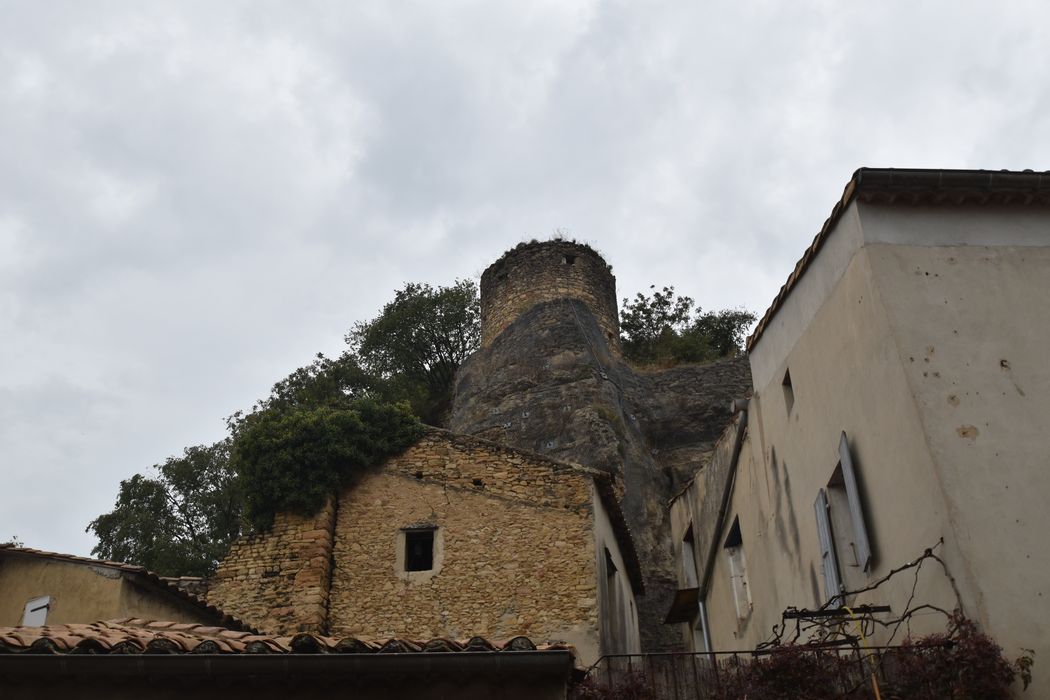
x=196, y=197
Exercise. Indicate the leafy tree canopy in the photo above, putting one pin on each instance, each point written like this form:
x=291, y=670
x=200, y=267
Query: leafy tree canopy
x=320, y=425
x=180, y=521
x=663, y=330
x=418, y=341
x=292, y=460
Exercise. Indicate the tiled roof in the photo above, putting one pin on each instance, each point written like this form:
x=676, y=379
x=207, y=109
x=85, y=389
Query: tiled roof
x=912, y=186
x=133, y=636
x=144, y=575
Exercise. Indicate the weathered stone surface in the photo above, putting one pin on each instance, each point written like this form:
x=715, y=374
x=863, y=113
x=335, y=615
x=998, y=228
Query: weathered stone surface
x=278, y=581
x=498, y=569
x=515, y=552
x=550, y=382
x=536, y=272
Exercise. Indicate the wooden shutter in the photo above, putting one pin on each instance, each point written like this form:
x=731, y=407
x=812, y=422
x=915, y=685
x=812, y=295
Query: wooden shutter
x=828, y=561
x=856, y=513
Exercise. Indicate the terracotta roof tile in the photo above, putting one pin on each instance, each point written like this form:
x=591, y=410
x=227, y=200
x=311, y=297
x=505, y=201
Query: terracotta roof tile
x=134, y=636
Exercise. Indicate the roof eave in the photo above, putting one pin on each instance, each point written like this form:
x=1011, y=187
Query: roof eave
x=915, y=186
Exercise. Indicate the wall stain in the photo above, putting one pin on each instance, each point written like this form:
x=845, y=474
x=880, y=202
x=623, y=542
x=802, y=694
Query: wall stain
x=1005, y=366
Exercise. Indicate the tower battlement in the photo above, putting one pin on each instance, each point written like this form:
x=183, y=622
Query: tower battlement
x=536, y=272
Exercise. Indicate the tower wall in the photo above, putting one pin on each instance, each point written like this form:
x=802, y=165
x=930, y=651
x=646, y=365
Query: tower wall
x=537, y=272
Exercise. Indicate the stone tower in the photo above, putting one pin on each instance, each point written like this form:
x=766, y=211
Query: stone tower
x=550, y=378
x=534, y=273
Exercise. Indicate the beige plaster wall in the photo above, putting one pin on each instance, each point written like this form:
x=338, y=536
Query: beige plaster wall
x=78, y=593
x=82, y=593
x=847, y=376
x=148, y=603
x=972, y=325
x=518, y=548
x=922, y=334
x=618, y=609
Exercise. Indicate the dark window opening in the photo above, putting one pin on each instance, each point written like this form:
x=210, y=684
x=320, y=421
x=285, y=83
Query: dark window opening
x=689, y=559
x=789, y=391
x=733, y=539
x=570, y=259
x=419, y=550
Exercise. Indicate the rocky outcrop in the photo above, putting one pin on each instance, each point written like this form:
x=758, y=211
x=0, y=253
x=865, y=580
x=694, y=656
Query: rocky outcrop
x=550, y=383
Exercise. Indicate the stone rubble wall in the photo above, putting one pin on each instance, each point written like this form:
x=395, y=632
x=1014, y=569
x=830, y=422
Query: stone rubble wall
x=537, y=272
x=278, y=581
x=514, y=553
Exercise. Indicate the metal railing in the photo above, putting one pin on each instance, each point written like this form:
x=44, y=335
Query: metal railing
x=815, y=673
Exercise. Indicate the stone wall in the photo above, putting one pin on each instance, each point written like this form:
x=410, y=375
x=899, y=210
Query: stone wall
x=278, y=581
x=514, y=547
x=537, y=272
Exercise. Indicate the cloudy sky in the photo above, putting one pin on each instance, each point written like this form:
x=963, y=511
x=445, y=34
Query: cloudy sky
x=196, y=197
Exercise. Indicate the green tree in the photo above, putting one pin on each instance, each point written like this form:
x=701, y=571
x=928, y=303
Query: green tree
x=318, y=426
x=291, y=460
x=663, y=330
x=180, y=522
x=414, y=347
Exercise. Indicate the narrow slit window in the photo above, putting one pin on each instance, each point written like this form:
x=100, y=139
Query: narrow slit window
x=789, y=391
x=419, y=550
x=689, y=559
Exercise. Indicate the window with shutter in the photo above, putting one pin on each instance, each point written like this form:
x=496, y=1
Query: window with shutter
x=35, y=613
x=856, y=513
x=828, y=560
x=734, y=546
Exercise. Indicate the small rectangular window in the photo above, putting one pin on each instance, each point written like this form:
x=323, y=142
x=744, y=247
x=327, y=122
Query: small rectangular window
x=35, y=613
x=419, y=550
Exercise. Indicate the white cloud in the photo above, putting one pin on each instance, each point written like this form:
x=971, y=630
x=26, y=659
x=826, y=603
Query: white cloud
x=195, y=197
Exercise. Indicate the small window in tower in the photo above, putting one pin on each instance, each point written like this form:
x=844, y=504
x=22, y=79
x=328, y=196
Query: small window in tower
x=570, y=259
x=419, y=550
x=789, y=391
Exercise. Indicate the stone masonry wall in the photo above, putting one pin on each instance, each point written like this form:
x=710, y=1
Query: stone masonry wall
x=537, y=272
x=514, y=547
x=278, y=581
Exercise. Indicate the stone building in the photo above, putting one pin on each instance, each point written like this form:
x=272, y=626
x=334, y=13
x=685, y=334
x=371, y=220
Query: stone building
x=457, y=537
x=518, y=538
x=549, y=378
x=899, y=402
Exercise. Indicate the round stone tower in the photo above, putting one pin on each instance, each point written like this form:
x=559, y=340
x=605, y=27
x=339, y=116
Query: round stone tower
x=550, y=378
x=536, y=272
